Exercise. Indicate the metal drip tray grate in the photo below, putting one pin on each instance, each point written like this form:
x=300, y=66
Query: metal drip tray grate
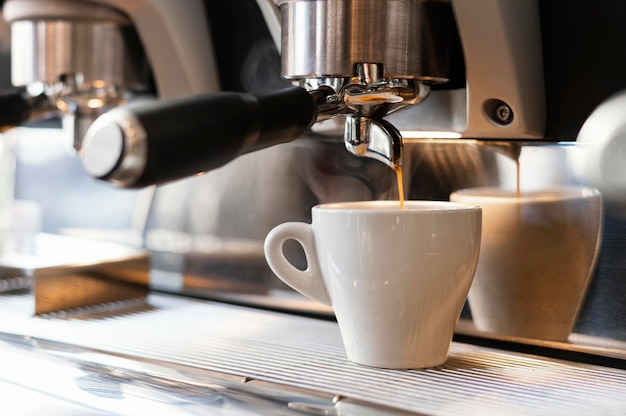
x=308, y=353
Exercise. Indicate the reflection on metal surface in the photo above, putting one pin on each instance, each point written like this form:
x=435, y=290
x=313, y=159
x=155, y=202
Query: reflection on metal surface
x=41, y=376
x=69, y=286
x=72, y=273
x=577, y=343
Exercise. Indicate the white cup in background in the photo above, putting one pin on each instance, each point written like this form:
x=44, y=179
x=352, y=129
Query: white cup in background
x=396, y=278
x=537, y=257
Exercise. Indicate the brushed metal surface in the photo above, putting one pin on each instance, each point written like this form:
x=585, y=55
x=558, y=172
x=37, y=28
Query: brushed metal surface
x=327, y=39
x=55, y=378
x=49, y=50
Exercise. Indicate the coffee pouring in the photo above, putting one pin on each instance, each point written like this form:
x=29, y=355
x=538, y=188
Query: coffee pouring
x=458, y=73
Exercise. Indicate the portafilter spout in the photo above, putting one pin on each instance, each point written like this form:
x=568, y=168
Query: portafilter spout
x=379, y=56
x=367, y=98
x=376, y=139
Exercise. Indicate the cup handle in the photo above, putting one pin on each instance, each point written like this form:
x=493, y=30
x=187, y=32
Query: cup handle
x=309, y=282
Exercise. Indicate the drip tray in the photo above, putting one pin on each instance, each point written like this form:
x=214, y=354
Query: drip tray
x=279, y=349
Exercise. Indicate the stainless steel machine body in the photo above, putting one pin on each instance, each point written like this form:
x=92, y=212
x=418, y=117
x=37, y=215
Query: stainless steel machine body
x=87, y=56
x=458, y=86
x=501, y=57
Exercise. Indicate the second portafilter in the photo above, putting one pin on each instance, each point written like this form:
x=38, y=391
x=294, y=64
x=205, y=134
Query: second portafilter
x=75, y=59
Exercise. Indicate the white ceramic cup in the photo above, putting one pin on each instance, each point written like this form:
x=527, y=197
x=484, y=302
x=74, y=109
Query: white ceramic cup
x=537, y=257
x=396, y=278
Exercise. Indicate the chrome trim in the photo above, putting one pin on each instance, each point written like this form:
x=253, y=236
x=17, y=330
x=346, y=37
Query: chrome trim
x=328, y=38
x=376, y=139
x=120, y=163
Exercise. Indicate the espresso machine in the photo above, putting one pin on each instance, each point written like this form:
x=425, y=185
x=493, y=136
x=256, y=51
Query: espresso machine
x=232, y=117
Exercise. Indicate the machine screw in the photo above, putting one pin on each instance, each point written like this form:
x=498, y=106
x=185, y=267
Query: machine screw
x=503, y=113
x=498, y=111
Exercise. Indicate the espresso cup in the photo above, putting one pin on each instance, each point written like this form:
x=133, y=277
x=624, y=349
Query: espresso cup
x=396, y=278
x=537, y=257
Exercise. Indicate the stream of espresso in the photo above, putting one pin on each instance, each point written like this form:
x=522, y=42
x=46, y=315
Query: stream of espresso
x=400, y=186
x=518, y=191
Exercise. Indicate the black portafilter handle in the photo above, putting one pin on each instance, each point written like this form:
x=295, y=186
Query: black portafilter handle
x=160, y=141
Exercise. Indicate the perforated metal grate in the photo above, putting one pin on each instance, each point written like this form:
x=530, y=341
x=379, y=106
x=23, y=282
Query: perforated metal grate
x=308, y=353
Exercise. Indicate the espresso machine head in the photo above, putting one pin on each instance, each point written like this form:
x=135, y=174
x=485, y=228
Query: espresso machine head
x=476, y=67
x=480, y=66
x=87, y=57
x=376, y=56
x=84, y=57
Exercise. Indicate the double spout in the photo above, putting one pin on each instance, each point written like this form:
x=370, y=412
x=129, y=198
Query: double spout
x=377, y=139
x=368, y=98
